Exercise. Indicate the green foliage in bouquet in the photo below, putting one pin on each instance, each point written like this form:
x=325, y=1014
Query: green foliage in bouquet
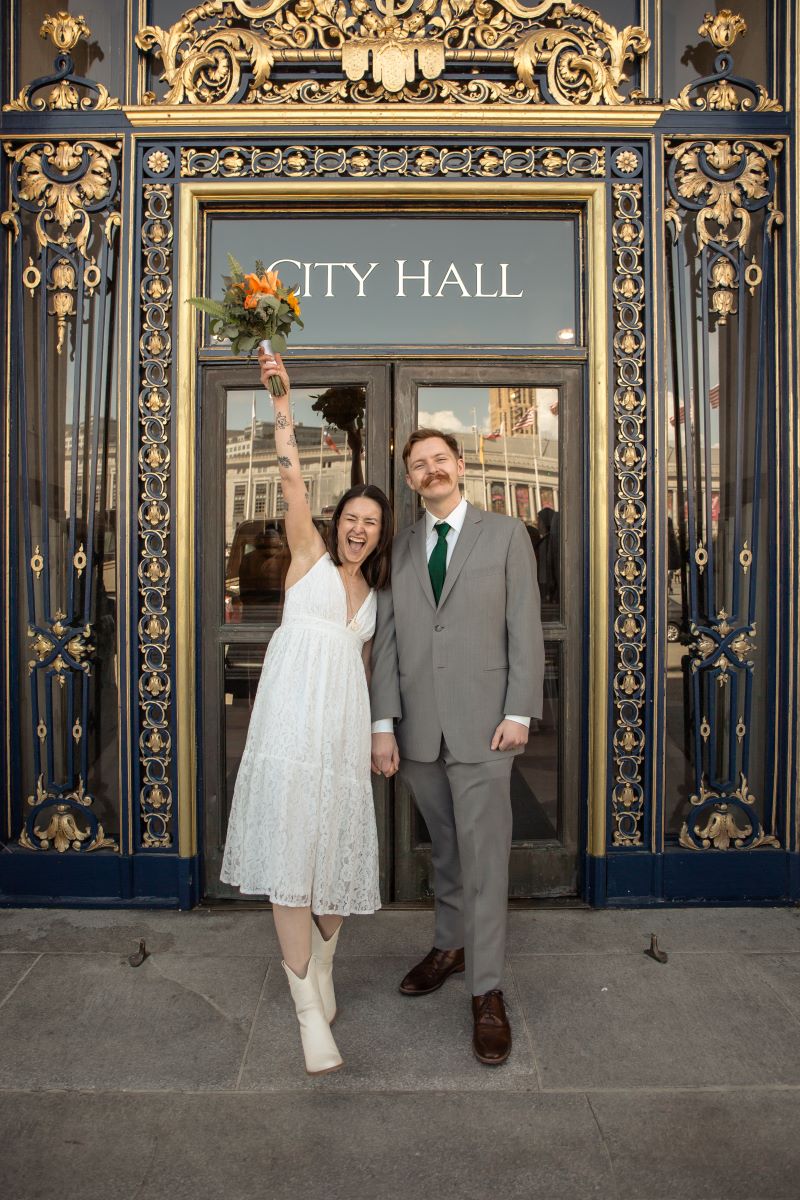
x=255, y=307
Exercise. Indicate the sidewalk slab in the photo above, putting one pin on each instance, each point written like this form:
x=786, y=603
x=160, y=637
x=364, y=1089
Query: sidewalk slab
x=600, y=1021
x=627, y=931
x=388, y=1041
x=742, y=1145
x=223, y=932
x=316, y=1146
x=93, y=1021
x=13, y=968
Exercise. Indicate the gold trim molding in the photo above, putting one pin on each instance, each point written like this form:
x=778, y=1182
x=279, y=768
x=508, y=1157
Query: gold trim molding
x=194, y=195
x=417, y=52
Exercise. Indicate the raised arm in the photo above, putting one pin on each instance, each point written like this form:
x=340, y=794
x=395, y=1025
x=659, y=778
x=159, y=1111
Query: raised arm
x=305, y=543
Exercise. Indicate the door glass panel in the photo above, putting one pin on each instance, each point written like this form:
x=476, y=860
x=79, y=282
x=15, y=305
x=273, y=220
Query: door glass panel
x=330, y=426
x=509, y=437
x=242, y=671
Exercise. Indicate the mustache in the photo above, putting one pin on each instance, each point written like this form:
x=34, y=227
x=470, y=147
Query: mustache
x=435, y=477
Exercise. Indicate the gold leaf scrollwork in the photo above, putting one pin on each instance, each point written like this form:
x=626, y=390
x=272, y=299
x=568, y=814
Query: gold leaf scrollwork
x=723, y=91
x=155, y=794
x=630, y=508
x=62, y=831
x=393, y=50
x=65, y=31
x=722, y=830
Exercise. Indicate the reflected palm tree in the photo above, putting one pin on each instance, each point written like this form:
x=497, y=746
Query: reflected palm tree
x=343, y=407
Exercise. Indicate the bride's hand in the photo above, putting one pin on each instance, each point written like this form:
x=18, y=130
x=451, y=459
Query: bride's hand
x=272, y=364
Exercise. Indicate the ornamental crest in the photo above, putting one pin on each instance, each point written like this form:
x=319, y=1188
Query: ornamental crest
x=378, y=51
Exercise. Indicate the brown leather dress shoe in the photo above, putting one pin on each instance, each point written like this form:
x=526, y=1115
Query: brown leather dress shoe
x=429, y=975
x=491, y=1039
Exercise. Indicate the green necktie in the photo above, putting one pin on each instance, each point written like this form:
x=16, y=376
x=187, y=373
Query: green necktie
x=437, y=563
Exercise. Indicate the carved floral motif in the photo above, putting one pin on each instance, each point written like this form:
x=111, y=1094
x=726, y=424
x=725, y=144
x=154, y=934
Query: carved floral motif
x=226, y=50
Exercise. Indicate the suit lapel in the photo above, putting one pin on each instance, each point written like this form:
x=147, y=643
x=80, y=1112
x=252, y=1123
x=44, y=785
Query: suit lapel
x=420, y=560
x=470, y=532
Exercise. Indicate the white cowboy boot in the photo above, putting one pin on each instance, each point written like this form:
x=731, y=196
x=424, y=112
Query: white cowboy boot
x=319, y=1048
x=322, y=952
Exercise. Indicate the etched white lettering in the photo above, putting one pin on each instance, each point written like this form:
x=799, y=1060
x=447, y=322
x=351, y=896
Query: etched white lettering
x=456, y=281
x=330, y=269
x=480, y=294
x=362, y=279
x=504, y=293
x=403, y=279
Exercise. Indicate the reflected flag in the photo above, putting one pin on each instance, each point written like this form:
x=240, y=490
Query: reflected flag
x=491, y=437
x=331, y=443
x=527, y=420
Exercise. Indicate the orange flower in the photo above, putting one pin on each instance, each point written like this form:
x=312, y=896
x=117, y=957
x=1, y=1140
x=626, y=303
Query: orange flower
x=293, y=303
x=269, y=283
x=259, y=285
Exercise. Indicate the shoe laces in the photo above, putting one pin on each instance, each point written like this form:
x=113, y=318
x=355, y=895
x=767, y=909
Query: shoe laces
x=483, y=1007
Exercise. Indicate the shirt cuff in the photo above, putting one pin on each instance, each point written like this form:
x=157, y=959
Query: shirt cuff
x=526, y=721
x=385, y=725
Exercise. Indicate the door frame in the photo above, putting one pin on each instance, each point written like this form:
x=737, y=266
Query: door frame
x=593, y=196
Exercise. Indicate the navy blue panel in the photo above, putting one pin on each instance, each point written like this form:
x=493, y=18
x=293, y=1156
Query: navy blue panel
x=684, y=877
x=630, y=877
x=98, y=880
x=594, y=880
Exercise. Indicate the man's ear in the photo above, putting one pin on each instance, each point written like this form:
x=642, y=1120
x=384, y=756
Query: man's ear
x=460, y=468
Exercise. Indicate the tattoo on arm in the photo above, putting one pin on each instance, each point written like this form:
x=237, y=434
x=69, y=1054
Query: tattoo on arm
x=283, y=461
x=281, y=420
x=291, y=440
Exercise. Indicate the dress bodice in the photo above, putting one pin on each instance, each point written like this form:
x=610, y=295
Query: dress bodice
x=320, y=596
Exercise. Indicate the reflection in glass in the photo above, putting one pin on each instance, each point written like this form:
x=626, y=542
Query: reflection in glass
x=509, y=437
x=242, y=671
x=65, y=517
x=330, y=432
x=717, y=518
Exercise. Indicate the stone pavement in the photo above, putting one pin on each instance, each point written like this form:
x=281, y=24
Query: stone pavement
x=630, y=1080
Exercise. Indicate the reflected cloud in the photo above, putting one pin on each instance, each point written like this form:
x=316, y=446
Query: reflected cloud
x=444, y=419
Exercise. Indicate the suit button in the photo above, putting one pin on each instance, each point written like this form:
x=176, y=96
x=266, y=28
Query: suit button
x=438, y=628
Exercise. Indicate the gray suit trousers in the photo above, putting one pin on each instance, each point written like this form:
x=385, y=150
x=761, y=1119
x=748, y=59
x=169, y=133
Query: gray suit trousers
x=467, y=808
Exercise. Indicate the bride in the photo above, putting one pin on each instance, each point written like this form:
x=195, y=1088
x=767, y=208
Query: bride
x=302, y=823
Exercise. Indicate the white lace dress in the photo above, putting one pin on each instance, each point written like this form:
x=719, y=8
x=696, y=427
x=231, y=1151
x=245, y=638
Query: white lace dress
x=302, y=823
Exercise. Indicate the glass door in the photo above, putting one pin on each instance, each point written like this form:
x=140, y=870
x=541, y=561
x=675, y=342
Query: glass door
x=520, y=432
x=342, y=424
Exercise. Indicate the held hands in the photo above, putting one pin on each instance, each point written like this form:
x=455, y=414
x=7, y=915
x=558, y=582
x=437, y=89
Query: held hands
x=509, y=735
x=272, y=364
x=385, y=754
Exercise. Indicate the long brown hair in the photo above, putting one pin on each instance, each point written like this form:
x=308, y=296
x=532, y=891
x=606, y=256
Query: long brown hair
x=377, y=568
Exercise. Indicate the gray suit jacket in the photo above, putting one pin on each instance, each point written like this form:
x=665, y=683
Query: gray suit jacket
x=457, y=669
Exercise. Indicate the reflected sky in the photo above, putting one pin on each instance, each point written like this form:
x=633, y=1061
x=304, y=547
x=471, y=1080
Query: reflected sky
x=411, y=280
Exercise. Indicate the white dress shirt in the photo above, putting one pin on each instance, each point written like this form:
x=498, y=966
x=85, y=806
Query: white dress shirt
x=455, y=520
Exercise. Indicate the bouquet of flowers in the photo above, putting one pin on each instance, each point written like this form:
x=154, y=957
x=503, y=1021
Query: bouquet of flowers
x=256, y=307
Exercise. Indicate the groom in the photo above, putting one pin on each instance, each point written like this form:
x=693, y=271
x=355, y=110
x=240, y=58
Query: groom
x=457, y=671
